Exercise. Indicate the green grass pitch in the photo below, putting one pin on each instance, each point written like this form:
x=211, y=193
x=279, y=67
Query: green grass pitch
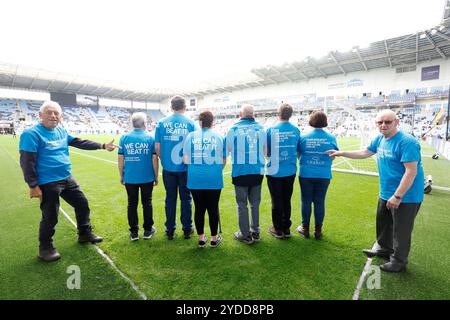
x=272, y=269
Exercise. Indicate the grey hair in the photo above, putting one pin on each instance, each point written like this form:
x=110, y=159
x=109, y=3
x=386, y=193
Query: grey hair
x=48, y=104
x=138, y=119
x=247, y=110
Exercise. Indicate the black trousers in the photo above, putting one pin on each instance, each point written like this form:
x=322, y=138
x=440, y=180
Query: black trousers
x=147, y=208
x=281, y=193
x=394, y=229
x=70, y=191
x=206, y=200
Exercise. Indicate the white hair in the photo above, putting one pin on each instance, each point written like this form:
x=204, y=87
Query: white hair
x=247, y=110
x=138, y=119
x=48, y=104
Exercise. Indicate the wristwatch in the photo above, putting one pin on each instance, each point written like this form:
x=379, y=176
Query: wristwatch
x=397, y=197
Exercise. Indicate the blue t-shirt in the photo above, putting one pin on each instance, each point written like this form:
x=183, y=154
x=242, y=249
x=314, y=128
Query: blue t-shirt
x=52, y=148
x=138, y=148
x=170, y=133
x=391, y=154
x=282, y=146
x=314, y=162
x=205, y=150
x=246, y=141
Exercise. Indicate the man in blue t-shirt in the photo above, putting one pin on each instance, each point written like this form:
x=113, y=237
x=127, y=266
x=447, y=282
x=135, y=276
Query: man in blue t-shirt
x=401, y=189
x=246, y=141
x=282, y=152
x=138, y=169
x=46, y=166
x=169, y=138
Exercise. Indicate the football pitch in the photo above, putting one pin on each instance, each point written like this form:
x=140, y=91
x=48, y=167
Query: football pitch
x=294, y=269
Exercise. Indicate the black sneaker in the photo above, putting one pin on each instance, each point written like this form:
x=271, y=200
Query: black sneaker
x=202, y=243
x=170, y=235
x=240, y=237
x=287, y=233
x=149, y=233
x=255, y=236
x=214, y=244
x=134, y=236
x=188, y=233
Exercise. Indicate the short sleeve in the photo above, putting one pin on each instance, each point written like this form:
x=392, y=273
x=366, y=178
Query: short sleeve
x=120, y=150
x=157, y=133
x=29, y=141
x=410, y=152
x=373, y=146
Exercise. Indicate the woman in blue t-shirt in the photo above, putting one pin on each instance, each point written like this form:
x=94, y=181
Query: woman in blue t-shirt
x=204, y=153
x=315, y=172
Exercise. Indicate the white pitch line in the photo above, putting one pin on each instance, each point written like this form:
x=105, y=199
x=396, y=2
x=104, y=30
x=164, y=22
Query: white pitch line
x=93, y=157
x=363, y=276
x=110, y=261
x=100, y=251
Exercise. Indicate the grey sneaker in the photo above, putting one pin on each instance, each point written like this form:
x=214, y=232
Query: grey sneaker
x=240, y=237
x=149, y=233
x=255, y=236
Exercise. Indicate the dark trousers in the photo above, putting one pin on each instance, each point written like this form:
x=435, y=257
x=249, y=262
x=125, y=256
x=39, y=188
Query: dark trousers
x=281, y=193
x=314, y=191
x=206, y=200
x=174, y=183
x=147, y=208
x=70, y=191
x=394, y=230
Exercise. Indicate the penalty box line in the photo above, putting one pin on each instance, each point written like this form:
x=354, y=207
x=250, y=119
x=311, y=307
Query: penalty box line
x=363, y=276
x=98, y=249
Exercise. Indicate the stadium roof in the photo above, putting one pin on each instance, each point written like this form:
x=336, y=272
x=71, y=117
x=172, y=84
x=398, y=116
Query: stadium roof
x=399, y=52
x=21, y=77
x=405, y=51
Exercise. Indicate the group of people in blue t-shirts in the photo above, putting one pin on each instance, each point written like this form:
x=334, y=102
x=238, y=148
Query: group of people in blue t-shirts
x=193, y=158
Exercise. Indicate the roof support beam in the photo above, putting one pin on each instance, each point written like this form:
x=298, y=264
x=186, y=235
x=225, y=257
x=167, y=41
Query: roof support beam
x=14, y=77
x=68, y=84
x=95, y=90
x=443, y=35
x=417, y=48
x=337, y=63
x=317, y=68
x=387, y=52
x=34, y=79
x=361, y=59
x=434, y=45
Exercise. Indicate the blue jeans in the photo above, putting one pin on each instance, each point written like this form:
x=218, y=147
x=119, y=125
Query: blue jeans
x=314, y=191
x=174, y=183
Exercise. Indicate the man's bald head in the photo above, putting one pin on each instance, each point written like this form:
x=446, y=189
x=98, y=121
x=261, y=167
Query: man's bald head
x=387, y=113
x=387, y=122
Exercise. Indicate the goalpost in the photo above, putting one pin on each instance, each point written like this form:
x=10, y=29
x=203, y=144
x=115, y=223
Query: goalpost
x=359, y=130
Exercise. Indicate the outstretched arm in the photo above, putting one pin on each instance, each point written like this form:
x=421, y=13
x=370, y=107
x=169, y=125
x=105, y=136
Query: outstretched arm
x=92, y=145
x=356, y=154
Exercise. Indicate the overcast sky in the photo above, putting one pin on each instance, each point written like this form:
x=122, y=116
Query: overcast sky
x=173, y=43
